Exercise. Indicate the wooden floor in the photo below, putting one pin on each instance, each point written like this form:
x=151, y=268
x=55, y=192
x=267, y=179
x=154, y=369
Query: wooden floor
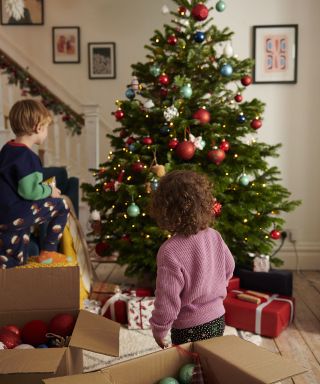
x=301, y=340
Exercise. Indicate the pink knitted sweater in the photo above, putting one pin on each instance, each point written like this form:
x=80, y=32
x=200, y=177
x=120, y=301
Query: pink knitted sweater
x=192, y=275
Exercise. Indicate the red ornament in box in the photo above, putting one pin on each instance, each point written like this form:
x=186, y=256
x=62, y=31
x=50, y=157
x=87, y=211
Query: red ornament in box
x=172, y=39
x=202, y=115
x=147, y=140
x=256, y=123
x=34, y=332
x=163, y=79
x=9, y=339
x=119, y=114
x=62, y=324
x=275, y=234
x=246, y=80
x=225, y=145
x=12, y=328
x=216, y=156
x=185, y=150
x=138, y=166
x=200, y=12
x=173, y=143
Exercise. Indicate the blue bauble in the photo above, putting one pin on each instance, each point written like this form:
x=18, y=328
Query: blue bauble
x=199, y=37
x=155, y=70
x=133, y=210
x=186, y=91
x=130, y=93
x=226, y=70
x=164, y=130
x=244, y=180
x=154, y=184
x=220, y=6
x=168, y=380
x=132, y=147
x=185, y=373
x=241, y=119
x=42, y=346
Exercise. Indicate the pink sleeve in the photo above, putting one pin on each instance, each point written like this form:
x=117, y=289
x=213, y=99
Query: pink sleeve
x=229, y=262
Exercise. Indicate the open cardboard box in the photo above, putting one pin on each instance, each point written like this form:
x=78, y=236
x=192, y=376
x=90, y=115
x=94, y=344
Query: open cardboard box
x=41, y=293
x=224, y=360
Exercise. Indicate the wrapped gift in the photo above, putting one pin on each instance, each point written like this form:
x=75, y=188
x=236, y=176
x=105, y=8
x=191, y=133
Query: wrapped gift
x=275, y=281
x=139, y=312
x=142, y=292
x=115, y=308
x=261, y=263
x=266, y=315
x=234, y=283
x=103, y=291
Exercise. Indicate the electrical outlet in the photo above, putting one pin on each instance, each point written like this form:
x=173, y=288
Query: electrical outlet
x=291, y=235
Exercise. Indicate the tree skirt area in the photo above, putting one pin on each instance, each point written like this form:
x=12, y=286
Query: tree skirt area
x=135, y=343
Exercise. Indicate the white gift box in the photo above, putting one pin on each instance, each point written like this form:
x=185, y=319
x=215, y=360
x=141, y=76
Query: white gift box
x=139, y=312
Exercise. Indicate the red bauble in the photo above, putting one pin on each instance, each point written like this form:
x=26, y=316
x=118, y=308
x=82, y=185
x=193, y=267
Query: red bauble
x=275, y=234
x=101, y=248
x=246, y=80
x=119, y=114
x=216, y=156
x=62, y=324
x=217, y=208
x=34, y=332
x=9, y=339
x=163, y=92
x=256, y=123
x=163, y=79
x=200, y=12
x=202, y=115
x=225, y=145
x=172, y=40
x=173, y=143
x=13, y=328
x=137, y=166
x=238, y=98
x=130, y=140
x=182, y=10
x=123, y=133
x=185, y=150
x=147, y=140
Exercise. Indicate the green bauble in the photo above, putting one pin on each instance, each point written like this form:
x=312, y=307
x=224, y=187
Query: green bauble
x=155, y=70
x=168, y=380
x=185, y=373
x=220, y=6
x=186, y=91
x=133, y=210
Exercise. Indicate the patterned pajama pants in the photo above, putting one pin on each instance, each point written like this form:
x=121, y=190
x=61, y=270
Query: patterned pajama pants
x=15, y=236
x=208, y=330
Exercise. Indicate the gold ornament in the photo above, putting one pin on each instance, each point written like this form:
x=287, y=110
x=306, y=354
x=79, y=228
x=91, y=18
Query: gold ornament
x=159, y=170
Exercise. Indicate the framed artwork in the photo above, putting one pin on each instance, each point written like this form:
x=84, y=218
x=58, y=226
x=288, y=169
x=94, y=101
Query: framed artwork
x=27, y=12
x=66, y=45
x=275, y=51
x=102, y=60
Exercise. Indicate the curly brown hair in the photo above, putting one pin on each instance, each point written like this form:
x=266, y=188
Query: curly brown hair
x=183, y=202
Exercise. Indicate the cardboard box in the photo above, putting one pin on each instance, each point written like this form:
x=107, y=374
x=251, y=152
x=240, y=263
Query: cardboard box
x=224, y=360
x=41, y=293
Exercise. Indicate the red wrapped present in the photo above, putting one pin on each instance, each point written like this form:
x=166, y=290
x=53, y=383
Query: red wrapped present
x=234, y=283
x=142, y=292
x=115, y=308
x=139, y=312
x=101, y=297
x=269, y=317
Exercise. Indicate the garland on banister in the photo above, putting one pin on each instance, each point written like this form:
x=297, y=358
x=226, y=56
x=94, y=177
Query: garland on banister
x=31, y=86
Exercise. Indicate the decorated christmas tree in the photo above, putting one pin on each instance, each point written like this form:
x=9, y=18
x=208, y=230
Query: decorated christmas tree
x=185, y=108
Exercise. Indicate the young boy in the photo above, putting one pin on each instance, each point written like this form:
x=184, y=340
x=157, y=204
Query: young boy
x=24, y=199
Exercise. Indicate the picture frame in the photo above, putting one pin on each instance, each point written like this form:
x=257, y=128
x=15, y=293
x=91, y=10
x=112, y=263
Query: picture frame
x=31, y=14
x=66, y=45
x=102, y=60
x=275, y=52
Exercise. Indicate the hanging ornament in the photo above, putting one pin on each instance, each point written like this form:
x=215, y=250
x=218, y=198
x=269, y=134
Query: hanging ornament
x=130, y=140
x=148, y=104
x=275, y=234
x=226, y=70
x=154, y=184
x=119, y=114
x=182, y=11
x=170, y=113
x=14, y=8
x=225, y=145
x=246, y=80
x=163, y=92
x=172, y=40
x=165, y=130
x=165, y=9
x=135, y=83
x=244, y=180
x=256, y=123
x=158, y=169
x=228, y=50
x=241, y=118
x=163, y=79
x=200, y=12
x=217, y=208
x=147, y=140
x=133, y=210
x=198, y=142
x=186, y=91
x=155, y=70
x=220, y=6
x=148, y=187
x=199, y=37
x=132, y=147
x=130, y=93
x=185, y=150
x=202, y=115
x=238, y=97
x=173, y=143
x=216, y=156
x=95, y=215
x=137, y=167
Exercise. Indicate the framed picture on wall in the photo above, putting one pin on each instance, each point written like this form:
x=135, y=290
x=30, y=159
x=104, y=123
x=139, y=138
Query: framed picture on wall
x=102, y=60
x=66, y=45
x=27, y=12
x=275, y=51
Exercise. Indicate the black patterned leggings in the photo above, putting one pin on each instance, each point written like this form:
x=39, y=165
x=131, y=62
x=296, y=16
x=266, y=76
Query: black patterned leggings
x=208, y=330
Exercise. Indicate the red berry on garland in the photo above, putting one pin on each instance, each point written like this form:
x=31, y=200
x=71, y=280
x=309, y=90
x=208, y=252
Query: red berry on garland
x=173, y=143
x=216, y=156
x=119, y=114
x=200, y=12
x=172, y=40
x=185, y=150
x=138, y=166
x=275, y=234
x=202, y=115
x=62, y=324
x=225, y=145
x=163, y=79
x=246, y=80
x=182, y=10
x=101, y=248
x=147, y=140
x=217, y=208
x=238, y=97
x=256, y=123
x=9, y=339
x=34, y=332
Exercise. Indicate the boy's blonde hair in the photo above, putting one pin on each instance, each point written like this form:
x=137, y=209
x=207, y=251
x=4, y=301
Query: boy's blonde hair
x=25, y=115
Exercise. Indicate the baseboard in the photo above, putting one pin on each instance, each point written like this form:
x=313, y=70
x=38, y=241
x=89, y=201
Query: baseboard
x=302, y=256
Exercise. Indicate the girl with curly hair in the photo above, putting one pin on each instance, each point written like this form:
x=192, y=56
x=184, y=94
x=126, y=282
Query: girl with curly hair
x=193, y=266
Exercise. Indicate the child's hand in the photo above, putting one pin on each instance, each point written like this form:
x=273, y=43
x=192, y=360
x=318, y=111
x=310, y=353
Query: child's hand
x=161, y=342
x=55, y=192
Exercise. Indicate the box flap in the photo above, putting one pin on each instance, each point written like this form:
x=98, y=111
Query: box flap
x=42, y=288
x=30, y=360
x=96, y=333
x=85, y=378
x=231, y=359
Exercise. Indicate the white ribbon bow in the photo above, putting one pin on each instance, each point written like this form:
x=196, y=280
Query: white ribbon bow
x=197, y=141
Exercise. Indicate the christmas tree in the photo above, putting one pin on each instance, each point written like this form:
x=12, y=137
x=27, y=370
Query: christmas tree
x=185, y=108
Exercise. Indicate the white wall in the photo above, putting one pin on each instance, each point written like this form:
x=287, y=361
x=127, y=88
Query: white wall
x=292, y=111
